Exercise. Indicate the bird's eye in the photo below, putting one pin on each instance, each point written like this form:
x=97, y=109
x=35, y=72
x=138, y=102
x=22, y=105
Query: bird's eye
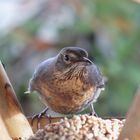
x=66, y=57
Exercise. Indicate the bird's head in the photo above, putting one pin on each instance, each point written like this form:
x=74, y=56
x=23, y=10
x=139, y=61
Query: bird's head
x=72, y=56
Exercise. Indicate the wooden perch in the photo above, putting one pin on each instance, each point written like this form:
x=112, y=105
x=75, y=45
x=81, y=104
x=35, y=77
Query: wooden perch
x=10, y=110
x=131, y=129
x=4, y=135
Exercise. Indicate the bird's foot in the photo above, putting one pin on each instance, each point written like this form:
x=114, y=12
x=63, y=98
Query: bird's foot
x=39, y=116
x=93, y=114
x=92, y=111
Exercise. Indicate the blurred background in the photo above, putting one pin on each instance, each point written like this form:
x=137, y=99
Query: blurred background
x=34, y=30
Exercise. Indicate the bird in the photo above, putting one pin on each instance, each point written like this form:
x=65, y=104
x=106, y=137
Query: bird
x=69, y=82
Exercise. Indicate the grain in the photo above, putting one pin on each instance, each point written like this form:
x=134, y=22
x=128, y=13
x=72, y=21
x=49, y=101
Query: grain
x=83, y=127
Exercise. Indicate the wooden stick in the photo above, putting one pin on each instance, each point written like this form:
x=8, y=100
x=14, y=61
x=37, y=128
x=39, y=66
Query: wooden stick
x=4, y=135
x=131, y=129
x=10, y=110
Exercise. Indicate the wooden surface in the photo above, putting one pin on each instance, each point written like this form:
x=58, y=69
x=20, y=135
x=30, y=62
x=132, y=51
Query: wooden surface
x=131, y=129
x=4, y=135
x=10, y=110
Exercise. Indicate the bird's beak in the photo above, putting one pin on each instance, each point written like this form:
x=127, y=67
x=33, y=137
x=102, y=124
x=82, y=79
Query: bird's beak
x=85, y=59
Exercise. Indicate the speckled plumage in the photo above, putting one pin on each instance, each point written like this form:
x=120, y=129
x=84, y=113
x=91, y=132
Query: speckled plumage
x=68, y=82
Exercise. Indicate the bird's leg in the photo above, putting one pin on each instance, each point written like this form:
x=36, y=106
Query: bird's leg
x=39, y=116
x=92, y=111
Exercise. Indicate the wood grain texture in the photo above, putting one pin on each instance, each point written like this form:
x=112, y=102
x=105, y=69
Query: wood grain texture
x=131, y=129
x=4, y=135
x=10, y=109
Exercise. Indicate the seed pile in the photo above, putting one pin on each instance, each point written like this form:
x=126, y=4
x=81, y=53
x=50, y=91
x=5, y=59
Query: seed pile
x=82, y=127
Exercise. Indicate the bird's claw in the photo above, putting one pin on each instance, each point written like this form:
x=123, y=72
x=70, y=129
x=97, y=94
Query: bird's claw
x=39, y=116
x=93, y=114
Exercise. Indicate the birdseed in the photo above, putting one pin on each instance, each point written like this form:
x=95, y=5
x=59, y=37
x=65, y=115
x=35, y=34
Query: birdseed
x=83, y=127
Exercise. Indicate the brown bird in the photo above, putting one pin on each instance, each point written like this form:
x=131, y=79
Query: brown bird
x=68, y=82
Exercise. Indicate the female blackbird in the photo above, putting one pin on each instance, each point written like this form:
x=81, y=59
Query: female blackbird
x=68, y=82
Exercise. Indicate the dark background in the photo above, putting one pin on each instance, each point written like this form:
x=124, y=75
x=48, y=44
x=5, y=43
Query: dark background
x=34, y=30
